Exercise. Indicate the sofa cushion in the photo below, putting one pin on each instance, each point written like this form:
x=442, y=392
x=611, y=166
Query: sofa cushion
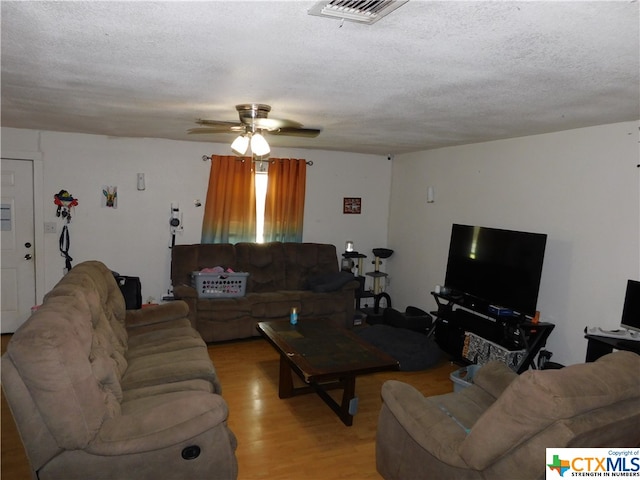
x=159, y=421
x=225, y=308
x=166, y=340
x=265, y=262
x=494, y=377
x=136, y=330
x=306, y=260
x=159, y=315
x=184, y=386
x=469, y=404
x=271, y=305
x=105, y=370
x=422, y=418
x=167, y=367
x=215, y=330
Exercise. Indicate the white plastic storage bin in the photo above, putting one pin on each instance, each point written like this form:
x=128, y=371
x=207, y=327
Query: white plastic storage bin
x=463, y=377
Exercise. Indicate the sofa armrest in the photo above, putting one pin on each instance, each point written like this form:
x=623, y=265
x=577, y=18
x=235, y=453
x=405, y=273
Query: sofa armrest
x=494, y=378
x=158, y=422
x=428, y=425
x=352, y=285
x=184, y=291
x=154, y=314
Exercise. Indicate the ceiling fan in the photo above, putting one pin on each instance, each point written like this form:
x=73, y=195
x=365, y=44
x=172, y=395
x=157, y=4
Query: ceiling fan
x=253, y=118
x=253, y=122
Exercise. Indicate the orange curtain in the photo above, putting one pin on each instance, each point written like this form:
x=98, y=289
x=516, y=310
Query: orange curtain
x=284, y=205
x=230, y=208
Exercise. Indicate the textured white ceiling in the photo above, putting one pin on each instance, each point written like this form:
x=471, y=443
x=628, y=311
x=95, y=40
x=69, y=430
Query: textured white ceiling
x=430, y=74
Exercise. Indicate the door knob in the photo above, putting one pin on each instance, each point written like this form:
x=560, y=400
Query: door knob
x=28, y=256
x=27, y=245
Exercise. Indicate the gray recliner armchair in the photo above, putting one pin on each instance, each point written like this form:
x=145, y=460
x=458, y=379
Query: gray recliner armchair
x=499, y=427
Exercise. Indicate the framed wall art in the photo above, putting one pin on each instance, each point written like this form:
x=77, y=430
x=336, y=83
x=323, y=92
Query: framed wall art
x=352, y=205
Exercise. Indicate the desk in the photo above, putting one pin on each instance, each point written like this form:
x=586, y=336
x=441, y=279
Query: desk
x=599, y=346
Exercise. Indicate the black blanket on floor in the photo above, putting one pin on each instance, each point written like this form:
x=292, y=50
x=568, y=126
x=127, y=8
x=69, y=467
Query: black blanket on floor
x=413, y=350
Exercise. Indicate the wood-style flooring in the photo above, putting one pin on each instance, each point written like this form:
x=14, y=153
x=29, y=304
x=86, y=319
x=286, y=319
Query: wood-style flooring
x=296, y=438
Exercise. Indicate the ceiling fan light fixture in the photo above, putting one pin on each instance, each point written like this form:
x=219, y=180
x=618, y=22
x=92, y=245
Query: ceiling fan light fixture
x=240, y=145
x=259, y=145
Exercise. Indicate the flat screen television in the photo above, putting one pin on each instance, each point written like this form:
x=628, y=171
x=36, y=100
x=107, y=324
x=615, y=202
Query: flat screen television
x=490, y=266
x=631, y=308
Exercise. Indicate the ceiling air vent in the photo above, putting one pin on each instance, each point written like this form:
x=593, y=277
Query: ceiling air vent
x=361, y=11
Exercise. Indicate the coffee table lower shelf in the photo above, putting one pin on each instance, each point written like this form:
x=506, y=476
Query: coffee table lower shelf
x=345, y=410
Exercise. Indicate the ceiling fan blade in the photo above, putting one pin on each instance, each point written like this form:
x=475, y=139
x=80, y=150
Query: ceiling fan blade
x=219, y=129
x=221, y=123
x=273, y=123
x=296, y=132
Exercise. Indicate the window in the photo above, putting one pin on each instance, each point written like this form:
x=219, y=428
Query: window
x=245, y=203
x=261, y=194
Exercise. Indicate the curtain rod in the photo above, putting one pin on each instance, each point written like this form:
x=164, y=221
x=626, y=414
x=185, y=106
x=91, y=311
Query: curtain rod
x=207, y=157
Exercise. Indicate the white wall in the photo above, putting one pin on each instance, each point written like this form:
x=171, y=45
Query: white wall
x=580, y=187
x=134, y=238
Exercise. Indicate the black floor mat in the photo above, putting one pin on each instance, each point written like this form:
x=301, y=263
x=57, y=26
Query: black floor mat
x=413, y=350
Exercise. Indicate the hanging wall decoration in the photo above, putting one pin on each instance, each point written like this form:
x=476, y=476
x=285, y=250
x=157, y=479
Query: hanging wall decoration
x=65, y=202
x=110, y=196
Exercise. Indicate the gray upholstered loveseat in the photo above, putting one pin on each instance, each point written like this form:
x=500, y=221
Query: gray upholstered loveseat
x=103, y=393
x=500, y=426
x=281, y=276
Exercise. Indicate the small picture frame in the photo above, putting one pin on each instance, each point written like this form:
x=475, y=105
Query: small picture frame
x=352, y=205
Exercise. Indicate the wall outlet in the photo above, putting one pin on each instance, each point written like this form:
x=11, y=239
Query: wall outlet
x=50, y=227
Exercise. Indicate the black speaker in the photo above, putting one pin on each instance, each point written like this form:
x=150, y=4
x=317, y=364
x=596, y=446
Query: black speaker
x=450, y=337
x=131, y=289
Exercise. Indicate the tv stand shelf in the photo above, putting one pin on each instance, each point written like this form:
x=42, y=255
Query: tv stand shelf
x=599, y=346
x=454, y=318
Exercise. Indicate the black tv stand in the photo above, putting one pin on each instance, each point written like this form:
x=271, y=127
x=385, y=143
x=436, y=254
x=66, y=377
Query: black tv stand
x=456, y=316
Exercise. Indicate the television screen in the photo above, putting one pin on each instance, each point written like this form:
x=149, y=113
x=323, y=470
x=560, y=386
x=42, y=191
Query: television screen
x=631, y=309
x=498, y=267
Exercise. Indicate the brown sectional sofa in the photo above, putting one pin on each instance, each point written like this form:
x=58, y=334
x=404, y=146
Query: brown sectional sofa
x=281, y=276
x=500, y=426
x=101, y=392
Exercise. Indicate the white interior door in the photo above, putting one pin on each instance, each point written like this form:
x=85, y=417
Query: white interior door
x=17, y=232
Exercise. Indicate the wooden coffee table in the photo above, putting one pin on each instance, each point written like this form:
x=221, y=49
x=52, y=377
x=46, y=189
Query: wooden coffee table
x=325, y=356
